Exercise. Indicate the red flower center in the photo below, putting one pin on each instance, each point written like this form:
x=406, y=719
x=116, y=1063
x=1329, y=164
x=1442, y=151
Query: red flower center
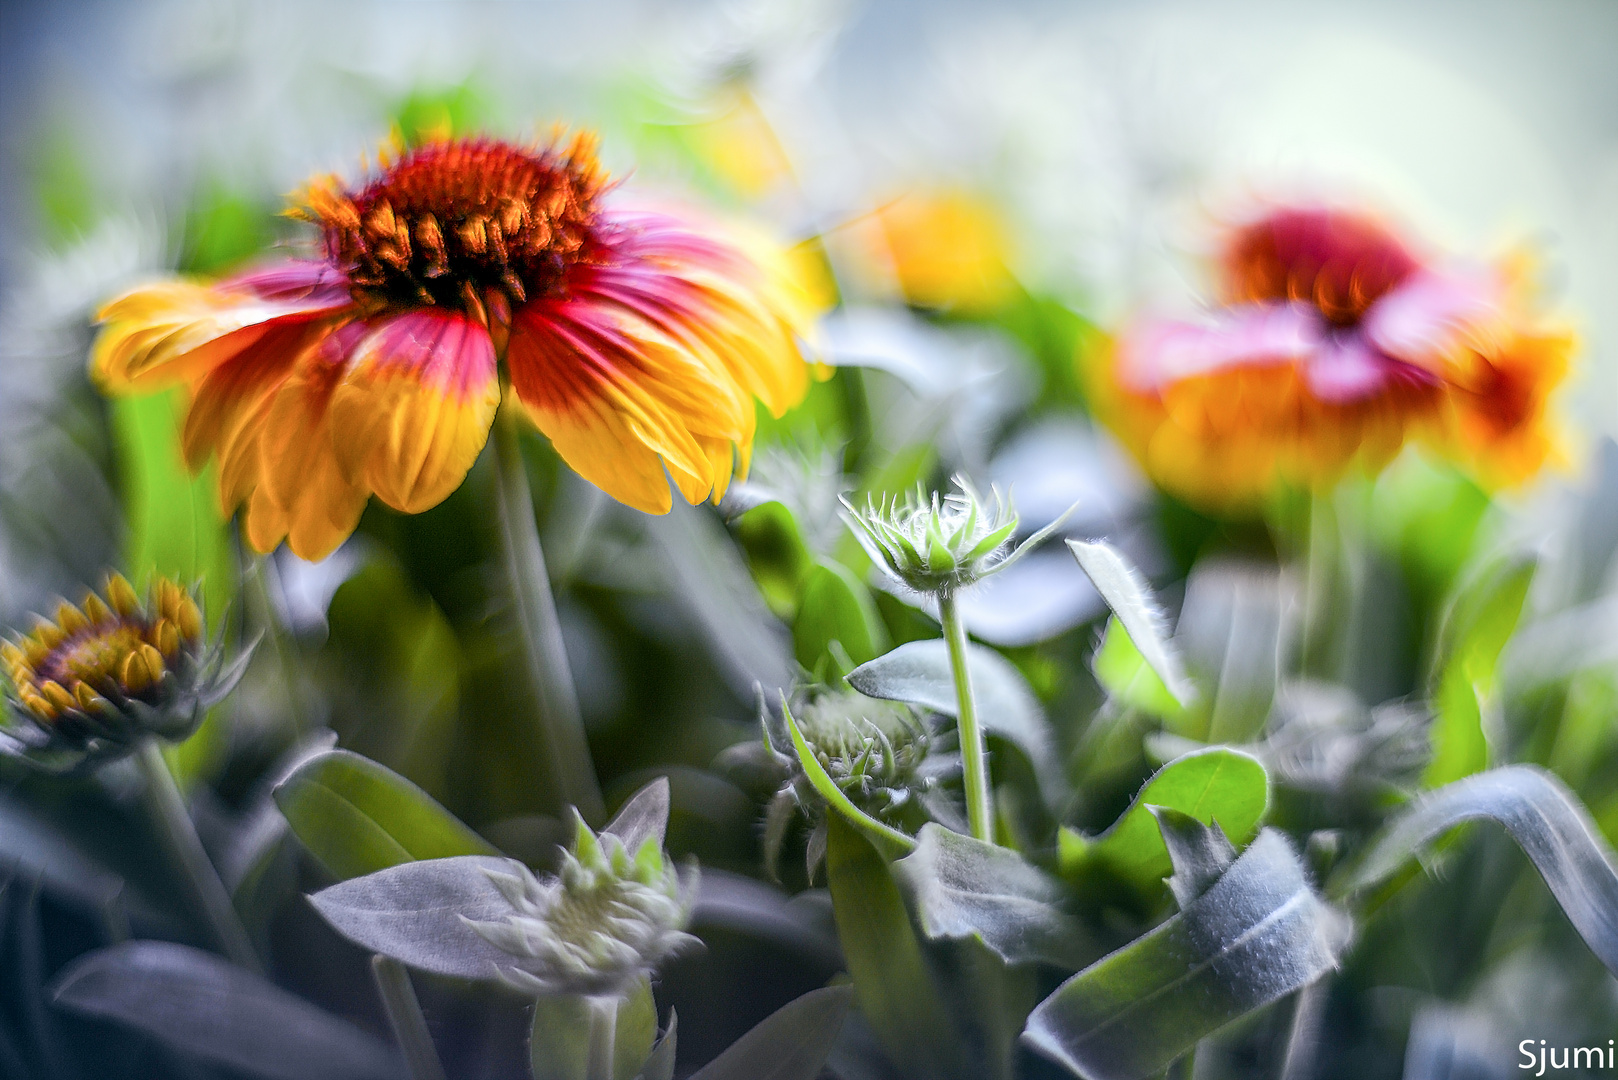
x=1340, y=263
x=450, y=221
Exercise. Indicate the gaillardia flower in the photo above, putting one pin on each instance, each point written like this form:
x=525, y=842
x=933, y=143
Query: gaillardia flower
x=91, y=683
x=636, y=341
x=1334, y=344
x=611, y=916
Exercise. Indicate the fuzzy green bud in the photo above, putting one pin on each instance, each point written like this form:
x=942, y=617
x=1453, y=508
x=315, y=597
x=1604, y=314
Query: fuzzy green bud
x=609, y=916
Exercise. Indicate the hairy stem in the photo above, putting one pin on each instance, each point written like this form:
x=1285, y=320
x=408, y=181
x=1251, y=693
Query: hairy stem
x=406, y=1019
x=179, y=836
x=561, y=730
x=603, y=1037
x=974, y=753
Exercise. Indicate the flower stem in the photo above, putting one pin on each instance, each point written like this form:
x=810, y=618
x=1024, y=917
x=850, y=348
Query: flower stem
x=561, y=730
x=405, y=1018
x=179, y=836
x=603, y=1037
x=974, y=754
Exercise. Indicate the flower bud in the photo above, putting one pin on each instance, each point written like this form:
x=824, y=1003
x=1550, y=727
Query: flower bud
x=939, y=544
x=88, y=684
x=608, y=917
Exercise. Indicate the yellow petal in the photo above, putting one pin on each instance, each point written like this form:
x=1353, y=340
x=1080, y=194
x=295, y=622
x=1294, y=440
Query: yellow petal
x=414, y=408
x=173, y=332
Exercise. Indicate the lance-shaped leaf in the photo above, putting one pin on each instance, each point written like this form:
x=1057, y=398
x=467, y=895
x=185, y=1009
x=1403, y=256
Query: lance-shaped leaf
x=918, y=673
x=1258, y=933
x=1547, y=821
x=790, y=1044
x=208, y=1008
x=1215, y=784
x=414, y=912
x=1479, y=624
x=644, y=816
x=1200, y=853
x=961, y=887
x=1130, y=598
x=358, y=817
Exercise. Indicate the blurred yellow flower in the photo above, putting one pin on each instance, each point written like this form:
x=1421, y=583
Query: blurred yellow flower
x=634, y=339
x=944, y=248
x=1334, y=345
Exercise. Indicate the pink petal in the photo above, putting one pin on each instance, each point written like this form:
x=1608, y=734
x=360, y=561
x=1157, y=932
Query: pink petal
x=441, y=350
x=1425, y=316
x=309, y=282
x=1248, y=334
x=1346, y=368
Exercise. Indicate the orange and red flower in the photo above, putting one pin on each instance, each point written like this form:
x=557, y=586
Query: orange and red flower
x=636, y=341
x=1335, y=344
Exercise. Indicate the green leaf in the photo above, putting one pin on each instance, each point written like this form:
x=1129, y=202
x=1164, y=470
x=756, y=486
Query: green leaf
x=1216, y=784
x=417, y=913
x=205, y=1007
x=358, y=817
x=1200, y=853
x=1259, y=933
x=776, y=552
x=559, y=1036
x=892, y=981
x=963, y=888
x=836, y=606
x=881, y=833
x=1131, y=600
x=918, y=673
x=1480, y=622
x=1128, y=679
x=790, y=1044
x=644, y=816
x=1545, y=819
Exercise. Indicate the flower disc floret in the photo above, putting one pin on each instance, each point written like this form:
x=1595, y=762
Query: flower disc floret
x=607, y=918
x=102, y=674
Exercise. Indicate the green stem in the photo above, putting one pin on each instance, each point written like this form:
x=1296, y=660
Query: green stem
x=179, y=836
x=603, y=1037
x=856, y=417
x=561, y=730
x=261, y=580
x=974, y=753
x=405, y=1018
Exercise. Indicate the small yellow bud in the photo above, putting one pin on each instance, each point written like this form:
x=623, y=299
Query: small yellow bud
x=190, y=620
x=121, y=595
x=70, y=618
x=86, y=696
x=95, y=609
x=154, y=661
x=134, y=677
x=58, y=696
x=166, y=637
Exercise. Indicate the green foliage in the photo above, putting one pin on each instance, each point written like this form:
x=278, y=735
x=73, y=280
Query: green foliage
x=1481, y=621
x=358, y=817
x=1215, y=785
x=892, y=980
x=791, y=1044
x=1255, y=934
x=836, y=607
x=559, y=1036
